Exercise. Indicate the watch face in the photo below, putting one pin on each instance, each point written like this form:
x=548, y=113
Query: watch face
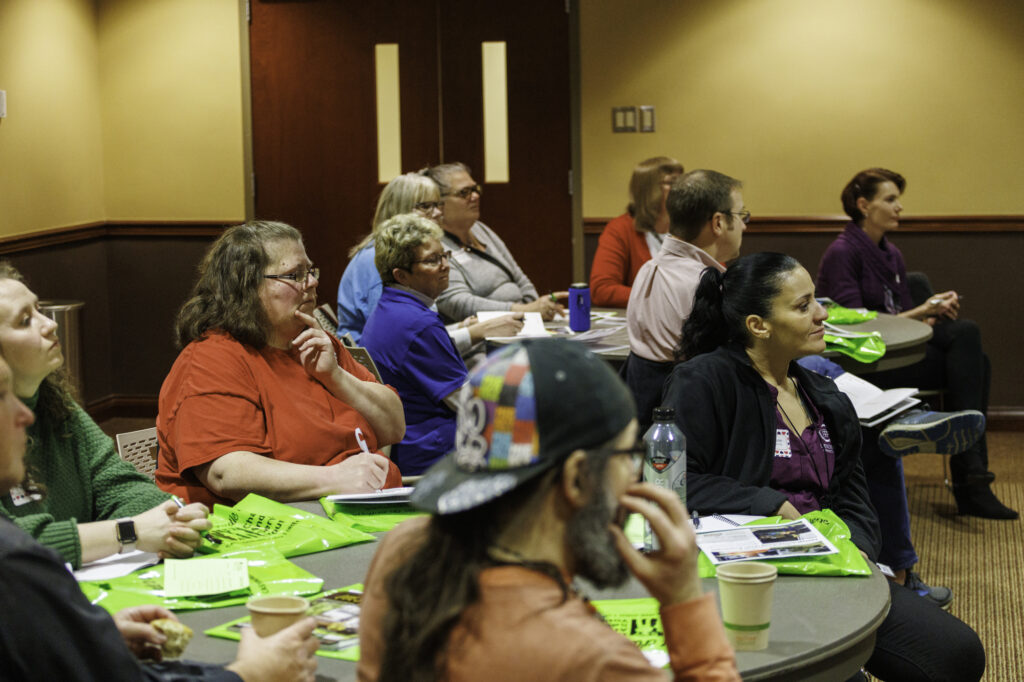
x=126, y=532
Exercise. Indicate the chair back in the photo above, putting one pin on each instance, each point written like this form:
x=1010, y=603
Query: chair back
x=327, y=318
x=362, y=356
x=139, y=448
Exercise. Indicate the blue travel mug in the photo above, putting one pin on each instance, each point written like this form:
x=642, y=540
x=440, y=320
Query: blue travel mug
x=579, y=307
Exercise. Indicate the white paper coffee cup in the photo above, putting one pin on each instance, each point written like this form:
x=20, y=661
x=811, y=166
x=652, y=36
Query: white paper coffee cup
x=746, y=590
x=271, y=614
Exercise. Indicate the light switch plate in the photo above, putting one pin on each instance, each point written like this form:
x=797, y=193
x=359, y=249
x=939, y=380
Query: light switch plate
x=3, y=103
x=623, y=119
x=646, y=118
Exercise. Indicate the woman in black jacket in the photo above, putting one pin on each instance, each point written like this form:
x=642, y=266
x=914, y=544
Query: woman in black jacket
x=764, y=436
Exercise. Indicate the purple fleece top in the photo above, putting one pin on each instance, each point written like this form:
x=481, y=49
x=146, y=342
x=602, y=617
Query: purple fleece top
x=802, y=467
x=857, y=273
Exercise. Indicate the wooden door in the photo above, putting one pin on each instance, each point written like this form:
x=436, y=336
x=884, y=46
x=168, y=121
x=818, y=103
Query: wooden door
x=314, y=117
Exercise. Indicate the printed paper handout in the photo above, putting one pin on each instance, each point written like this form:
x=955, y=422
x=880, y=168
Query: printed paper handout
x=750, y=543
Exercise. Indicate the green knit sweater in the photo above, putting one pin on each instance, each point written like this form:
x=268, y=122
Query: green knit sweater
x=85, y=481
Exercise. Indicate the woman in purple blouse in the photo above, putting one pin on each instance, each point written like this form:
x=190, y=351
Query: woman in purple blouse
x=765, y=436
x=862, y=269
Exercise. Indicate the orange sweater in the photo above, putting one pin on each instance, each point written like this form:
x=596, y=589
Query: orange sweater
x=621, y=251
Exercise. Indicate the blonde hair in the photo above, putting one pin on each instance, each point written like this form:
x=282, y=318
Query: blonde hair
x=399, y=196
x=396, y=242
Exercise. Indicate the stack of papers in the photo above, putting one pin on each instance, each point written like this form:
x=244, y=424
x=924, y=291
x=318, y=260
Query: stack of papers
x=387, y=496
x=873, y=405
x=533, y=323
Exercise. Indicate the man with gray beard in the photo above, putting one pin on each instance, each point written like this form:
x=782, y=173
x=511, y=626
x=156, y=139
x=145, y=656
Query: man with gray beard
x=536, y=492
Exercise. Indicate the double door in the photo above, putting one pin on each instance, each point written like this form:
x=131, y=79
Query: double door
x=315, y=119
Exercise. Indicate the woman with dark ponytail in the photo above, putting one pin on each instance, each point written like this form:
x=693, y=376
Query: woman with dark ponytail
x=767, y=437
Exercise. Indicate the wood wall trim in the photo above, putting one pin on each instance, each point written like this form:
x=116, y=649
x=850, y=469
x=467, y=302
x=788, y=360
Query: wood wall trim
x=127, y=406
x=110, y=228
x=833, y=223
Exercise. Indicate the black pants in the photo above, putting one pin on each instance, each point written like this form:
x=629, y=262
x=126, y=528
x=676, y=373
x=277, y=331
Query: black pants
x=645, y=379
x=953, y=361
x=920, y=641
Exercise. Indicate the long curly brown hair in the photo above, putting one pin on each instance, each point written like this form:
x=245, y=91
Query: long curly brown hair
x=227, y=294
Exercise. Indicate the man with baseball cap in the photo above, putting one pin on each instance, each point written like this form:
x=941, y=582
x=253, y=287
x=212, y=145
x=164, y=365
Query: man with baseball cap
x=535, y=493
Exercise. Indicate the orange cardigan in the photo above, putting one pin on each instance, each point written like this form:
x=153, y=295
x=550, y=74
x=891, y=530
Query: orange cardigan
x=621, y=251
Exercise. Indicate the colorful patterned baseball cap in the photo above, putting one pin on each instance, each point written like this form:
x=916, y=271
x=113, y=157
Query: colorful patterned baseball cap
x=524, y=410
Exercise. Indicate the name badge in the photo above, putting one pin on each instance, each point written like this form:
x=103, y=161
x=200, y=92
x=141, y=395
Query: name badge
x=20, y=497
x=782, y=448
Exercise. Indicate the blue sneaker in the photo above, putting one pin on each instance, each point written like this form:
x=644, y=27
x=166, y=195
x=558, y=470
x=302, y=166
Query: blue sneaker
x=940, y=596
x=942, y=433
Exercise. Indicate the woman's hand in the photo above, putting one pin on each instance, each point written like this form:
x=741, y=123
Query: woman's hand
x=286, y=655
x=787, y=511
x=362, y=473
x=670, y=573
x=143, y=639
x=506, y=325
x=938, y=306
x=170, y=531
x=547, y=306
x=316, y=352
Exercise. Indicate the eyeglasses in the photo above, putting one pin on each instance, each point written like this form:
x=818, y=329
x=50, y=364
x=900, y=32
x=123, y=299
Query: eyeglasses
x=636, y=454
x=744, y=215
x=427, y=206
x=299, y=276
x=466, y=192
x=435, y=260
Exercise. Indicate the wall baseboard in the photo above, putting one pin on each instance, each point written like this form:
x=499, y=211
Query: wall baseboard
x=110, y=228
x=836, y=223
x=124, y=406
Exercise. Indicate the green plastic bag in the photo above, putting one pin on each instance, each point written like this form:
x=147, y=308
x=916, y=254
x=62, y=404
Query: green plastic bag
x=837, y=314
x=866, y=347
x=849, y=560
x=269, y=573
x=333, y=644
x=257, y=522
x=375, y=518
x=639, y=620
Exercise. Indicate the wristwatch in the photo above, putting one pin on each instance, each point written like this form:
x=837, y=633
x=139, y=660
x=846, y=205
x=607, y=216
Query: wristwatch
x=126, y=535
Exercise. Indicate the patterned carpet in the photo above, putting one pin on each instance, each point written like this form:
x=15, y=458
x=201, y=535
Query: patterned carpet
x=982, y=561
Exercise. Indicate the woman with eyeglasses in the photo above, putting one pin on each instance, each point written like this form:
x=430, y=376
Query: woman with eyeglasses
x=484, y=275
x=632, y=239
x=408, y=340
x=767, y=437
x=863, y=269
x=261, y=399
x=79, y=497
x=360, y=287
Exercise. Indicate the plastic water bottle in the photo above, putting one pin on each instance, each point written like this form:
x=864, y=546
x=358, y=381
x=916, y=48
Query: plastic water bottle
x=664, y=461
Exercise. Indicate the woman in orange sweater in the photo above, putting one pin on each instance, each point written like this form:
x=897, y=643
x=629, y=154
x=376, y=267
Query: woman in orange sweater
x=630, y=240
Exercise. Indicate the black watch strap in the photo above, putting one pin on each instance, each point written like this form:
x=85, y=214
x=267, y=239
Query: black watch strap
x=126, y=535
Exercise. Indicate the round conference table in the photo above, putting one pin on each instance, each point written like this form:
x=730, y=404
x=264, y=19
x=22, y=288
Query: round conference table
x=905, y=340
x=822, y=628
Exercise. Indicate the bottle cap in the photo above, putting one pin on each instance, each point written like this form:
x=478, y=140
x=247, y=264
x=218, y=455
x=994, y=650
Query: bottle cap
x=663, y=414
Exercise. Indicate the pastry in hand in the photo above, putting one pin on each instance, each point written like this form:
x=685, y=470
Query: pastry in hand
x=178, y=636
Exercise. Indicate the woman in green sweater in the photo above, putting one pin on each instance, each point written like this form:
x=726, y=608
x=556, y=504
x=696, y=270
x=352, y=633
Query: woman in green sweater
x=79, y=497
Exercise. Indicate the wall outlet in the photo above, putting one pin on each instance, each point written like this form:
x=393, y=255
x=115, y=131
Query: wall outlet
x=3, y=103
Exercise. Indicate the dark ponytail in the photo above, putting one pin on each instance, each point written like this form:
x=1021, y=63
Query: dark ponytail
x=724, y=300
x=705, y=329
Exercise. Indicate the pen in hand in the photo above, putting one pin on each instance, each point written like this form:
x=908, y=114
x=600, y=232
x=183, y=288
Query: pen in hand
x=181, y=505
x=696, y=519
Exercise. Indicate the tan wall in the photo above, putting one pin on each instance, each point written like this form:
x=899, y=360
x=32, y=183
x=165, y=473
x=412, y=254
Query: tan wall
x=120, y=110
x=51, y=166
x=795, y=96
x=172, y=109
